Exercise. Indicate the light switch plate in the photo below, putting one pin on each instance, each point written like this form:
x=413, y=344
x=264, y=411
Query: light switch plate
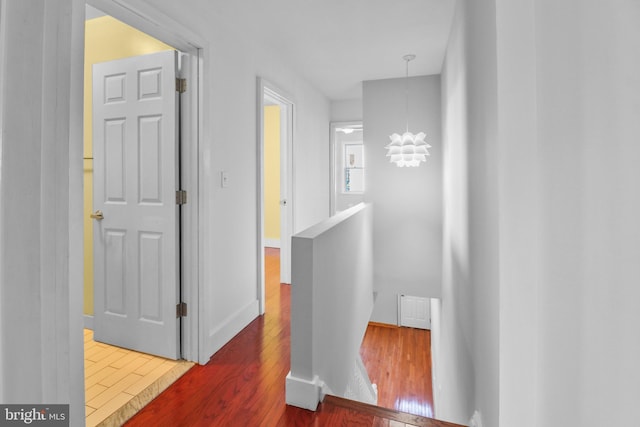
x=224, y=179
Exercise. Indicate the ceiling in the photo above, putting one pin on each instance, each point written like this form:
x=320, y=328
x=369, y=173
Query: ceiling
x=91, y=12
x=337, y=44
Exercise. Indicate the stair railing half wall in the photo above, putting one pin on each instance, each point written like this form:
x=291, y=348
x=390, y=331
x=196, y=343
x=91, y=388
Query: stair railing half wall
x=331, y=304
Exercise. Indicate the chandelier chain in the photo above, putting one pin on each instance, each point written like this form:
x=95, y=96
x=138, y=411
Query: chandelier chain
x=406, y=92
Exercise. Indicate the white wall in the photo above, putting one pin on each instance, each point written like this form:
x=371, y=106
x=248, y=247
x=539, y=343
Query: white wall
x=452, y=316
x=544, y=94
x=466, y=321
x=331, y=302
x=232, y=64
x=407, y=201
x=519, y=212
x=588, y=80
x=40, y=262
x=346, y=110
x=40, y=225
x=569, y=76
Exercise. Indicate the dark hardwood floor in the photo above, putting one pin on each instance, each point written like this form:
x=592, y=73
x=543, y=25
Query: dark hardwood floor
x=398, y=360
x=244, y=383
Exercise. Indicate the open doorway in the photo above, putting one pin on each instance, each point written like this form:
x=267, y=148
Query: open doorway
x=130, y=170
x=118, y=381
x=347, y=165
x=275, y=182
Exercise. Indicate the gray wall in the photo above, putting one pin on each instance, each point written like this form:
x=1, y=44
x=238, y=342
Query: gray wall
x=346, y=110
x=466, y=322
x=538, y=321
x=228, y=217
x=588, y=74
x=407, y=202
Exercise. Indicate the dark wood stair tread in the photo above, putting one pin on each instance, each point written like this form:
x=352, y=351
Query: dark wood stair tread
x=390, y=414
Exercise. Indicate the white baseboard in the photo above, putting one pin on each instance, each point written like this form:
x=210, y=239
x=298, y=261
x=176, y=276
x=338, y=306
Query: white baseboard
x=88, y=321
x=272, y=243
x=229, y=329
x=303, y=393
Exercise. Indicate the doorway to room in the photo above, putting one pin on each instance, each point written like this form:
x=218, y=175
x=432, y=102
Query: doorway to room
x=145, y=172
x=132, y=229
x=347, y=165
x=275, y=182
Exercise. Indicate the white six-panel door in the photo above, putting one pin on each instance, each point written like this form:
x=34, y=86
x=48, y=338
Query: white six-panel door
x=136, y=243
x=415, y=312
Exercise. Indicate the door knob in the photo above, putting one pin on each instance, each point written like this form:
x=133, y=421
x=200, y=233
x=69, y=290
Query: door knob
x=97, y=215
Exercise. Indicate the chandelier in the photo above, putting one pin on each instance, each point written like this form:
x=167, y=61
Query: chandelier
x=407, y=149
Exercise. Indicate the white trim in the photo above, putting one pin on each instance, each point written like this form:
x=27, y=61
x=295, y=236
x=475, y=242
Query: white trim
x=40, y=220
x=198, y=349
x=436, y=316
x=76, y=215
x=88, y=321
x=3, y=26
x=266, y=89
x=259, y=195
x=145, y=17
x=221, y=335
x=191, y=112
x=272, y=243
x=303, y=393
x=148, y=19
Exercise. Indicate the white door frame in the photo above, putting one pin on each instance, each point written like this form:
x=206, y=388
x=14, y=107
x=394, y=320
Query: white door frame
x=267, y=89
x=164, y=28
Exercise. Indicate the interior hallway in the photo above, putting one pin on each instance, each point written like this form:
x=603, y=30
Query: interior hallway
x=244, y=382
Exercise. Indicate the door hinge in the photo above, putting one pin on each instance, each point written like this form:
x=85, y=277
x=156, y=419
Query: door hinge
x=181, y=309
x=181, y=85
x=181, y=197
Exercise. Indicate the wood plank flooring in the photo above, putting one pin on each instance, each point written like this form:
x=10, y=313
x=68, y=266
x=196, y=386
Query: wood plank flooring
x=118, y=382
x=244, y=383
x=398, y=360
